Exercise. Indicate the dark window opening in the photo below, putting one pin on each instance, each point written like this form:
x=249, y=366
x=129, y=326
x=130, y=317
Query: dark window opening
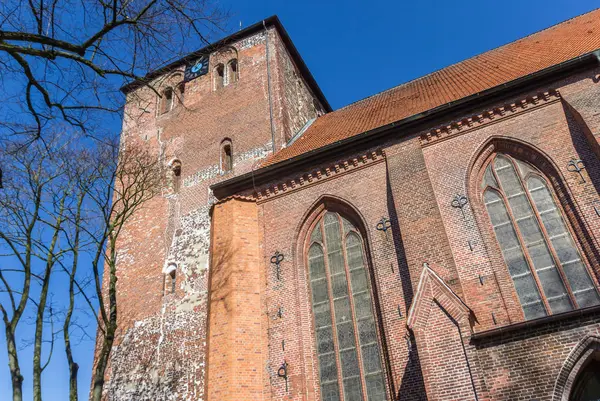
x=167, y=101
x=176, y=171
x=226, y=157
x=233, y=71
x=173, y=281
x=587, y=386
x=181, y=92
x=219, y=76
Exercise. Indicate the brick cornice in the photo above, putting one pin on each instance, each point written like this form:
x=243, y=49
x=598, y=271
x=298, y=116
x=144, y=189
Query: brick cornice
x=320, y=175
x=488, y=117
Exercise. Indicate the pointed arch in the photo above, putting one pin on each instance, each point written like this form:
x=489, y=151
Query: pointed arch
x=584, y=352
x=535, y=208
x=334, y=269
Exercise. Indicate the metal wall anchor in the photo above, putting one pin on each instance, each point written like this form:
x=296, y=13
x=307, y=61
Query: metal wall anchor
x=576, y=166
x=384, y=225
x=282, y=372
x=276, y=259
x=459, y=202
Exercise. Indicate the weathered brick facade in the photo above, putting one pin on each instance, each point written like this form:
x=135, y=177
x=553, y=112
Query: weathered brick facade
x=450, y=325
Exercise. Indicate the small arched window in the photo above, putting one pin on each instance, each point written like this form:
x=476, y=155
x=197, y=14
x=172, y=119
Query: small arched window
x=347, y=344
x=587, y=385
x=176, y=175
x=219, y=76
x=232, y=71
x=226, y=155
x=166, y=103
x=171, y=279
x=180, y=93
x=548, y=271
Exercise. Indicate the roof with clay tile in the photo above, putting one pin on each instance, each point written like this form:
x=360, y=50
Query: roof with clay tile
x=544, y=49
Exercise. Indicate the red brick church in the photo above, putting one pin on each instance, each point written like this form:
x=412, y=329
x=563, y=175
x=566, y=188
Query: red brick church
x=436, y=241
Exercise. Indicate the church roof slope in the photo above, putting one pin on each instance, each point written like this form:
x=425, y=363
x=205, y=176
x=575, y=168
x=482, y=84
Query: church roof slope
x=536, y=52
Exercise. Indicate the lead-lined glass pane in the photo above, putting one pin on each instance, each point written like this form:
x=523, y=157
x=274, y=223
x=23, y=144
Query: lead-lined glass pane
x=569, y=257
x=316, y=262
x=514, y=258
x=353, y=389
x=532, y=236
x=346, y=335
x=316, y=234
x=330, y=392
x=488, y=178
x=376, y=387
x=328, y=368
x=349, y=363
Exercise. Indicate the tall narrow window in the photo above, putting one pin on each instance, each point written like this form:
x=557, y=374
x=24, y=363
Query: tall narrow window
x=346, y=333
x=166, y=103
x=180, y=92
x=232, y=71
x=176, y=171
x=226, y=156
x=543, y=260
x=219, y=76
x=170, y=279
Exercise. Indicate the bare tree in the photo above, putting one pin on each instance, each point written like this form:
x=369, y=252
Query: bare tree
x=60, y=200
x=63, y=61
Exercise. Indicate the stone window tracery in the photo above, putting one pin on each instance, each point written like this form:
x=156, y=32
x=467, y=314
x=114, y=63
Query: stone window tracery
x=547, y=269
x=347, y=345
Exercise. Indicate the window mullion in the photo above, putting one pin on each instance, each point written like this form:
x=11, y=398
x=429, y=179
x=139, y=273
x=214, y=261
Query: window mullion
x=352, y=310
x=336, y=346
x=548, y=241
x=520, y=239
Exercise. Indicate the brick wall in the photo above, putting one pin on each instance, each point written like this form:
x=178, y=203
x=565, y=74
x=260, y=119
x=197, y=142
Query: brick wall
x=160, y=349
x=237, y=324
x=414, y=186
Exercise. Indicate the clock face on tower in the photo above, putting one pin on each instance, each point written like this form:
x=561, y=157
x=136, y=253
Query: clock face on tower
x=196, y=69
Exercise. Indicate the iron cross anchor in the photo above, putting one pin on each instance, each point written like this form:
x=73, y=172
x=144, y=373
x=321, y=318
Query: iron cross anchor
x=576, y=166
x=384, y=225
x=276, y=259
x=459, y=202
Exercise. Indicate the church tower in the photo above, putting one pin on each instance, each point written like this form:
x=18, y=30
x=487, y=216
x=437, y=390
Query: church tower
x=208, y=117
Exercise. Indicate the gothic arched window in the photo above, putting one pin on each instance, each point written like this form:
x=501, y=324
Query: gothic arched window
x=548, y=271
x=587, y=386
x=347, y=344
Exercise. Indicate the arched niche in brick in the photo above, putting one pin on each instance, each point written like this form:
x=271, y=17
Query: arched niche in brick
x=525, y=152
x=302, y=242
x=579, y=358
x=171, y=90
x=220, y=62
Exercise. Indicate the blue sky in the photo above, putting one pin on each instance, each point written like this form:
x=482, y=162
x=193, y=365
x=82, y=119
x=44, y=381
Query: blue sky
x=355, y=49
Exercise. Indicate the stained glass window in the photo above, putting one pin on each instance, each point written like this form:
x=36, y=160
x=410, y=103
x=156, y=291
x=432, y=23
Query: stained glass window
x=346, y=334
x=544, y=263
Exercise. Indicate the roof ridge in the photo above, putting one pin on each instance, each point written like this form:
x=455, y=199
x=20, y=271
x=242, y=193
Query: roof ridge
x=464, y=60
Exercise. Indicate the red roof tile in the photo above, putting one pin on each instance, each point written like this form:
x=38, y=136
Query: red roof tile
x=533, y=53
